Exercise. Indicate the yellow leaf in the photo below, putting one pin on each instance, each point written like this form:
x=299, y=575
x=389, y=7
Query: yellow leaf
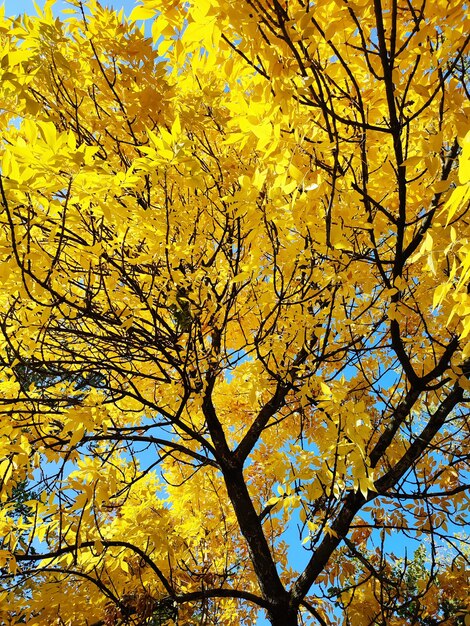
x=6, y=468
x=464, y=161
x=412, y=161
x=98, y=546
x=440, y=293
x=77, y=434
x=141, y=12
x=242, y=276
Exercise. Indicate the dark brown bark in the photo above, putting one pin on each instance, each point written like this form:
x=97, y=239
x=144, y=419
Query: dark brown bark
x=283, y=616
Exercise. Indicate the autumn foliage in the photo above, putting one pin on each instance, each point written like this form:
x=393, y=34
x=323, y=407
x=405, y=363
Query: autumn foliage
x=235, y=313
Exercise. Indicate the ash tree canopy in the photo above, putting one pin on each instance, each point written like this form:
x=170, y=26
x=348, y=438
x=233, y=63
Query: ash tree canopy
x=235, y=313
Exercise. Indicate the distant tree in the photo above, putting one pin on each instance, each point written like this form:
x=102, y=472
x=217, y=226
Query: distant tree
x=404, y=592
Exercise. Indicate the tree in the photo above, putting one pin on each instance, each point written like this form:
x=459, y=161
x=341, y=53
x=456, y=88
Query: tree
x=236, y=254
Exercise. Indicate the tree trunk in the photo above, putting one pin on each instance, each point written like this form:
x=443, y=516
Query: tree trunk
x=283, y=616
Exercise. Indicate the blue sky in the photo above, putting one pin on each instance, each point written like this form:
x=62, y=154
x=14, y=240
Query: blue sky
x=13, y=7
